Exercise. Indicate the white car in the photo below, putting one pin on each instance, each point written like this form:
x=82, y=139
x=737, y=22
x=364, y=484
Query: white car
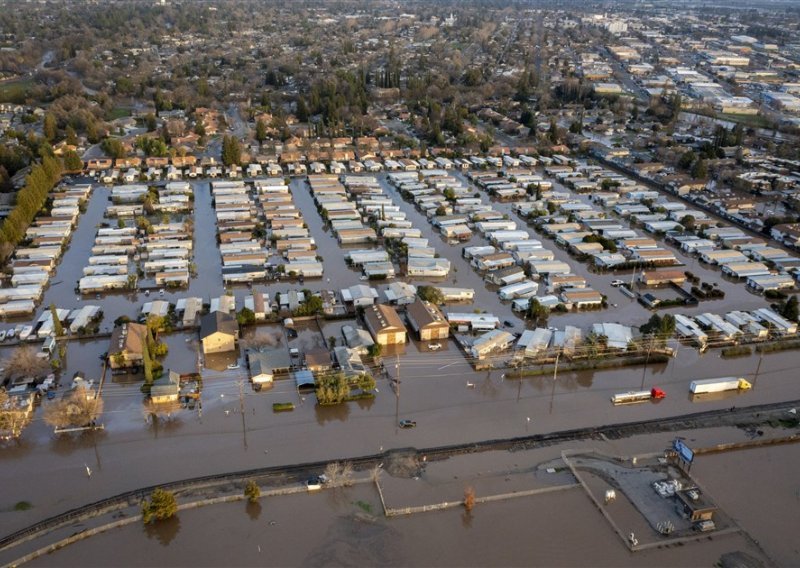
x=233, y=366
x=617, y=283
x=435, y=346
x=3, y=335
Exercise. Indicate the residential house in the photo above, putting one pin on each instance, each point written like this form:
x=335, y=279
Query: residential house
x=166, y=389
x=427, y=321
x=385, y=325
x=218, y=332
x=127, y=346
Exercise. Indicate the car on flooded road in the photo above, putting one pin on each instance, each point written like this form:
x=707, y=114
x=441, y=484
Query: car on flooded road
x=408, y=424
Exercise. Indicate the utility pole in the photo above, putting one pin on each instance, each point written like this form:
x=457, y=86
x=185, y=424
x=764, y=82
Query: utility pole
x=555, y=377
x=397, y=391
x=241, y=411
x=758, y=367
x=647, y=359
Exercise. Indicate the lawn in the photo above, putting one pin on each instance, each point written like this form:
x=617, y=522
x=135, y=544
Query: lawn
x=118, y=112
x=15, y=90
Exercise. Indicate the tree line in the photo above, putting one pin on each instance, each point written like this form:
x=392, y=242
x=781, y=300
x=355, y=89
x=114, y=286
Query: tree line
x=30, y=200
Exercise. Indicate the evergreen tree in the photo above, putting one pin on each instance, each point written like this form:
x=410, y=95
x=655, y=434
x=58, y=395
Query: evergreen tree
x=231, y=151
x=50, y=128
x=261, y=131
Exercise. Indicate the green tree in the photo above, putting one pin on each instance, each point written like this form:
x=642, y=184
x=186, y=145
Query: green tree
x=71, y=136
x=162, y=506
x=332, y=389
x=700, y=169
x=252, y=491
x=312, y=306
x=72, y=161
x=50, y=127
x=375, y=350
x=147, y=364
x=113, y=147
x=365, y=382
x=261, y=131
x=430, y=294
x=151, y=122
x=246, y=317
x=790, y=310
x=57, y=327
x=231, y=151
x=302, y=110
x=537, y=313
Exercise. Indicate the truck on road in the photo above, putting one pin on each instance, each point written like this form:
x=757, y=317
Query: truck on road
x=638, y=396
x=707, y=386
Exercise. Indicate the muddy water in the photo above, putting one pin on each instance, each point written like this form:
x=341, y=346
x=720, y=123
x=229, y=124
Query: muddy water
x=346, y=527
x=760, y=490
x=130, y=453
x=434, y=390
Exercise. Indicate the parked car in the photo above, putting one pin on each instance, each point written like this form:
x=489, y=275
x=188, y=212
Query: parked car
x=408, y=424
x=233, y=366
x=435, y=346
x=617, y=283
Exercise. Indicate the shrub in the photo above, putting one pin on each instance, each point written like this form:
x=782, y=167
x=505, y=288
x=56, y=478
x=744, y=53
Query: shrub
x=162, y=506
x=737, y=351
x=252, y=491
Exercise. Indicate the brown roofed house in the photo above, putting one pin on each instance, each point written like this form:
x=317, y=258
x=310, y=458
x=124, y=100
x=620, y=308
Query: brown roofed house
x=126, y=349
x=427, y=320
x=385, y=325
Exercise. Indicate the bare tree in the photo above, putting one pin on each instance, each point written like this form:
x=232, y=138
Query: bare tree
x=469, y=498
x=80, y=408
x=339, y=474
x=24, y=362
x=12, y=418
x=263, y=339
x=161, y=410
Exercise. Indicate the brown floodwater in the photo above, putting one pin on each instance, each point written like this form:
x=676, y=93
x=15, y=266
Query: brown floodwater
x=434, y=390
x=345, y=527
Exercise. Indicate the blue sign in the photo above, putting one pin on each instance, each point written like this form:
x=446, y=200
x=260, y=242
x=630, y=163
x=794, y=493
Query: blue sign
x=683, y=450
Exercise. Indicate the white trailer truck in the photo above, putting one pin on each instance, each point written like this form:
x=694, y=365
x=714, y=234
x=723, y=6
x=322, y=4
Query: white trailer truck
x=707, y=386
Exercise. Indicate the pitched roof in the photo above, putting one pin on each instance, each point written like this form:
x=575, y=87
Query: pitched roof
x=218, y=322
x=423, y=314
x=128, y=337
x=381, y=317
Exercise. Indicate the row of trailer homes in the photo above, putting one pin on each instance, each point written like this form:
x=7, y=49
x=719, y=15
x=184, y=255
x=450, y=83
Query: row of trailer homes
x=48, y=236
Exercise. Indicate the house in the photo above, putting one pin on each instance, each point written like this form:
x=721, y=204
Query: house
x=582, y=298
x=661, y=277
x=265, y=363
x=349, y=361
x=427, y=321
x=385, y=325
x=218, y=332
x=357, y=339
x=166, y=389
x=490, y=342
x=318, y=360
x=126, y=348
x=359, y=295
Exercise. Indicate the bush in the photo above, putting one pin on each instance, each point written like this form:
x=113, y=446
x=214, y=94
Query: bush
x=162, y=506
x=737, y=351
x=252, y=491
